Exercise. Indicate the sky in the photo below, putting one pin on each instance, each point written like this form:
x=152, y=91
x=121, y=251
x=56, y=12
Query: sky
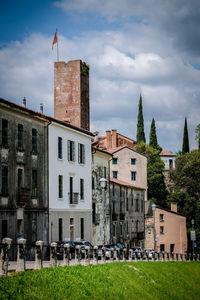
x=147, y=47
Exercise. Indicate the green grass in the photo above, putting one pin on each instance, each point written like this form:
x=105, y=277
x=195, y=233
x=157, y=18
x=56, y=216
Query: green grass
x=141, y=280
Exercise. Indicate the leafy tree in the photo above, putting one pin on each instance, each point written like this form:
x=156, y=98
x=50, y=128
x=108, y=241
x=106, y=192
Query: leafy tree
x=155, y=179
x=140, y=123
x=153, y=137
x=186, y=188
x=185, y=147
x=197, y=131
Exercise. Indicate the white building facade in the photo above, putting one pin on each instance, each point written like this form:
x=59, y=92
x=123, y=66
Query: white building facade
x=70, y=185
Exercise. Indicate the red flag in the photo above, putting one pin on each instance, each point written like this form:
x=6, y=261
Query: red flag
x=55, y=40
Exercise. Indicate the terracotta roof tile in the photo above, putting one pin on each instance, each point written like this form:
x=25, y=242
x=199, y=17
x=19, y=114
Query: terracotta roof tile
x=117, y=181
x=166, y=153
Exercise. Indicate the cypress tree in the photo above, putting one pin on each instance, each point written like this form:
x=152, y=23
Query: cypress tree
x=140, y=123
x=185, y=147
x=152, y=136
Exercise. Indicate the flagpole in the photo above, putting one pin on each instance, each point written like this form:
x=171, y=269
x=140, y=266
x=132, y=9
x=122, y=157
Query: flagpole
x=57, y=45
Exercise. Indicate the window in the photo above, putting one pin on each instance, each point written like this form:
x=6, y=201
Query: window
x=162, y=247
x=34, y=140
x=113, y=190
x=142, y=205
x=93, y=213
x=71, y=228
x=71, y=150
x=81, y=153
x=114, y=229
x=161, y=218
x=82, y=228
x=131, y=197
x=138, y=226
x=4, y=133
x=120, y=191
x=127, y=228
x=127, y=202
x=171, y=248
x=121, y=229
x=60, y=186
x=4, y=189
x=133, y=161
x=82, y=188
x=115, y=174
x=4, y=228
x=93, y=182
x=121, y=205
x=114, y=161
x=19, y=178
x=71, y=190
x=34, y=230
x=60, y=229
x=133, y=226
x=34, y=183
x=59, y=147
x=105, y=172
x=20, y=137
x=137, y=203
x=162, y=229
x=170, y=163
x=113, y=207
x=19, y=227
x=133, y=176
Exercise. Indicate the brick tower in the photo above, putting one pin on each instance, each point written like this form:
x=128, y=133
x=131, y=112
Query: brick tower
x=71, y=93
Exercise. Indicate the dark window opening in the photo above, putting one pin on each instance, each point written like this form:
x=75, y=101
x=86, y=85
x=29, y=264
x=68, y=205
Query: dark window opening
x=82, y=189
x=20, y=137
x=93, y=213
x=4, y=189
x=82, y=228
x=81, y=153
x=4, y=228
x=34, y=140
x=34, y=183
x=4, y=133
x=71, y=190
x=60, y=186
x=71, y=150
x=162, y=247
x=59, y=147
x=34, y=230
x=60, y=229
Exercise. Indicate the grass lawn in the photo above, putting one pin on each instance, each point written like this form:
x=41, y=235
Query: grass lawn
x=140, y=280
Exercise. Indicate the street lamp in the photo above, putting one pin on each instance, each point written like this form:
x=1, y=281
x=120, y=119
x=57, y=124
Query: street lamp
x=103, y=182
x=153, y=206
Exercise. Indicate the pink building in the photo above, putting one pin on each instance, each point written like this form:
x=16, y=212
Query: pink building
x=170, y=229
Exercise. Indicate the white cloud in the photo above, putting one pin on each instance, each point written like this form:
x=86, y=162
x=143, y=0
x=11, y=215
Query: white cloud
x=121, y=68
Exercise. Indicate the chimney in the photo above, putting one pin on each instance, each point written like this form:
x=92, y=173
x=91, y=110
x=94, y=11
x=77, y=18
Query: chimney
x=108, y=139
x=24, y=101
x=41, y=108
x=114, y=138
x=174, y=207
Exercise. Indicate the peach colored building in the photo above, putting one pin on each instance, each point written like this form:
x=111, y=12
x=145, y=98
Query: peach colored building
x=170, y=229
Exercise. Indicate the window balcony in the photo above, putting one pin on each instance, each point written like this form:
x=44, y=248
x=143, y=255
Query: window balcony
x=73, y=198
x=23, y=195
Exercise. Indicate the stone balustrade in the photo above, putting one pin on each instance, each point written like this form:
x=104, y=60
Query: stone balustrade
x=79, y=255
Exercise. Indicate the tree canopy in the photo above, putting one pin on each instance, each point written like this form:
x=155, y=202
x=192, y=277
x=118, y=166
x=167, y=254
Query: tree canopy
x=186, y=188
x=155, y=179
x=185, y=147
x=140, y=123
x=197, y=131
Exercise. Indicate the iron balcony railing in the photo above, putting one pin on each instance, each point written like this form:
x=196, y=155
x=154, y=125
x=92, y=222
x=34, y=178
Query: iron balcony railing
x=73, y=198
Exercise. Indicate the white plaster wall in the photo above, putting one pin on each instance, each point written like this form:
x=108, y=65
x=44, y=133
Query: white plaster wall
x=66, y=169
x=166, y=161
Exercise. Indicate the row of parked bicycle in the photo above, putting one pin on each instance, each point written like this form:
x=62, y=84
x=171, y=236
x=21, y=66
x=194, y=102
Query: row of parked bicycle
x=136, y=250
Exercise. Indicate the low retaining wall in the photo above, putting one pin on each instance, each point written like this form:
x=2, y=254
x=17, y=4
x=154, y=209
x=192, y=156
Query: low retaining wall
x=81, y=255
